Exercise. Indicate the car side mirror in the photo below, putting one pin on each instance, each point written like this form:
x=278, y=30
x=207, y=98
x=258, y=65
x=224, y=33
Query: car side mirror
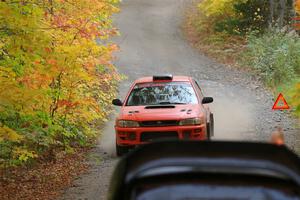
x=117, y=102
x=206, y=100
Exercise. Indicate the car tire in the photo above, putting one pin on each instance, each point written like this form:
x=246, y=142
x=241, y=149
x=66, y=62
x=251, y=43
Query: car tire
x=121, y=150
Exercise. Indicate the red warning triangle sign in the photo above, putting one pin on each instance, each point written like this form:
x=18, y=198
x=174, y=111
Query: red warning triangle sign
x=280, y=103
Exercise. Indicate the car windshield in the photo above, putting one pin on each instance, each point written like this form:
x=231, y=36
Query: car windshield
x=162, y=93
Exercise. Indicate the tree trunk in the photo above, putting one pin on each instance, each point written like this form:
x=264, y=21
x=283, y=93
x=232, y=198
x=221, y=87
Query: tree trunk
x=282, y=13
x=271, y=18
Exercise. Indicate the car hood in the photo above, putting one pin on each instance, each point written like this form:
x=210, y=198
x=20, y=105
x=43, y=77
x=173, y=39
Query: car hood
x=177, y=112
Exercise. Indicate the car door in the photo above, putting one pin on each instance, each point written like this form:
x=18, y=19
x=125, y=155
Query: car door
x=209, y=114
x=200, y=95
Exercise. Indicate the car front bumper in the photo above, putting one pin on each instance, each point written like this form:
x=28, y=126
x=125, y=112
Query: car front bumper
x=142, y=135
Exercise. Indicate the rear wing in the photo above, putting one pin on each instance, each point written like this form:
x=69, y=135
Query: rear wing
x=190, y=157
x=167, y=77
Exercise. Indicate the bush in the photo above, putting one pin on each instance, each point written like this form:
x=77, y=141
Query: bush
x=235, y=17
x=251, y=15
x=239, y=16
x=216, y=12
x=218, y=8
x=275, y=56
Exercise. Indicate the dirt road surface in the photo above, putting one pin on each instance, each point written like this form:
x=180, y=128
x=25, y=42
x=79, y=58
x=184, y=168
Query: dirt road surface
x=152, y=42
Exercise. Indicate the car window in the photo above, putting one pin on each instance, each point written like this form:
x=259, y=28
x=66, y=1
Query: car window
x=162, y=93
x=198, y=89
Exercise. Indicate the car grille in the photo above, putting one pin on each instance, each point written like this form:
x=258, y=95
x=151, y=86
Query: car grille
x=152, y=136
x=159, y=123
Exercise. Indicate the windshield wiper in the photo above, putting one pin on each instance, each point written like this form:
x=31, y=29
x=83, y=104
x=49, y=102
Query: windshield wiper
x=168, y=102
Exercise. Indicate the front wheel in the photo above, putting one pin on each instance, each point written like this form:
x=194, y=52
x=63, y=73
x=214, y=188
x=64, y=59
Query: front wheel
x=121, y=150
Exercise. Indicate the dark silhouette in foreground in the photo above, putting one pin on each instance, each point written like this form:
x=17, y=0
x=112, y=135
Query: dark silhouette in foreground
x=207, y=170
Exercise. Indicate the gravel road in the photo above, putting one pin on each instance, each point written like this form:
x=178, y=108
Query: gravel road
x=152, y=42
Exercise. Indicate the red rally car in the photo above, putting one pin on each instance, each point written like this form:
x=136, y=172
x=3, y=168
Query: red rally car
x=162, y=107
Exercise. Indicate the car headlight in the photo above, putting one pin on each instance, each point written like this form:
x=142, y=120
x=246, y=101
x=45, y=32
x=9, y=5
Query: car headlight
x=127, y=123
x=191, y=121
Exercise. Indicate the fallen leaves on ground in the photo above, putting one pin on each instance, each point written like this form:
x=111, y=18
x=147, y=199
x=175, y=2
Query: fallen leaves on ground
x=45, y=180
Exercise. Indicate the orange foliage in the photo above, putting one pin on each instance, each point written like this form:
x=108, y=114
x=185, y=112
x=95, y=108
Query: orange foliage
x=55, y=69
x=297, y=5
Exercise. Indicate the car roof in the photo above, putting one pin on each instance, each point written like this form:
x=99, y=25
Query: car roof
x=149, y=79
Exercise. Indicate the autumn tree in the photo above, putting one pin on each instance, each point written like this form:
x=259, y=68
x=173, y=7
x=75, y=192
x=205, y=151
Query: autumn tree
x=56, y=74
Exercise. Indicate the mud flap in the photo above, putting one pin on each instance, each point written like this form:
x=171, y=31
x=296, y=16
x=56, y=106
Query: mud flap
x=211, y=124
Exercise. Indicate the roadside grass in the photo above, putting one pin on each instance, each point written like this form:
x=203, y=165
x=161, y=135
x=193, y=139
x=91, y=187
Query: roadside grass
x=293, y=94
x=273, y=56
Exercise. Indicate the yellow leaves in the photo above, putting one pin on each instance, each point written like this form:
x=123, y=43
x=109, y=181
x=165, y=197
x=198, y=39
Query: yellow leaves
x=215, y=8
x=297, y=5
x=296, y=94
x=23, y=154
x=7, y=77
x=53, y=68
x=7, y=134
x=22, y=98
